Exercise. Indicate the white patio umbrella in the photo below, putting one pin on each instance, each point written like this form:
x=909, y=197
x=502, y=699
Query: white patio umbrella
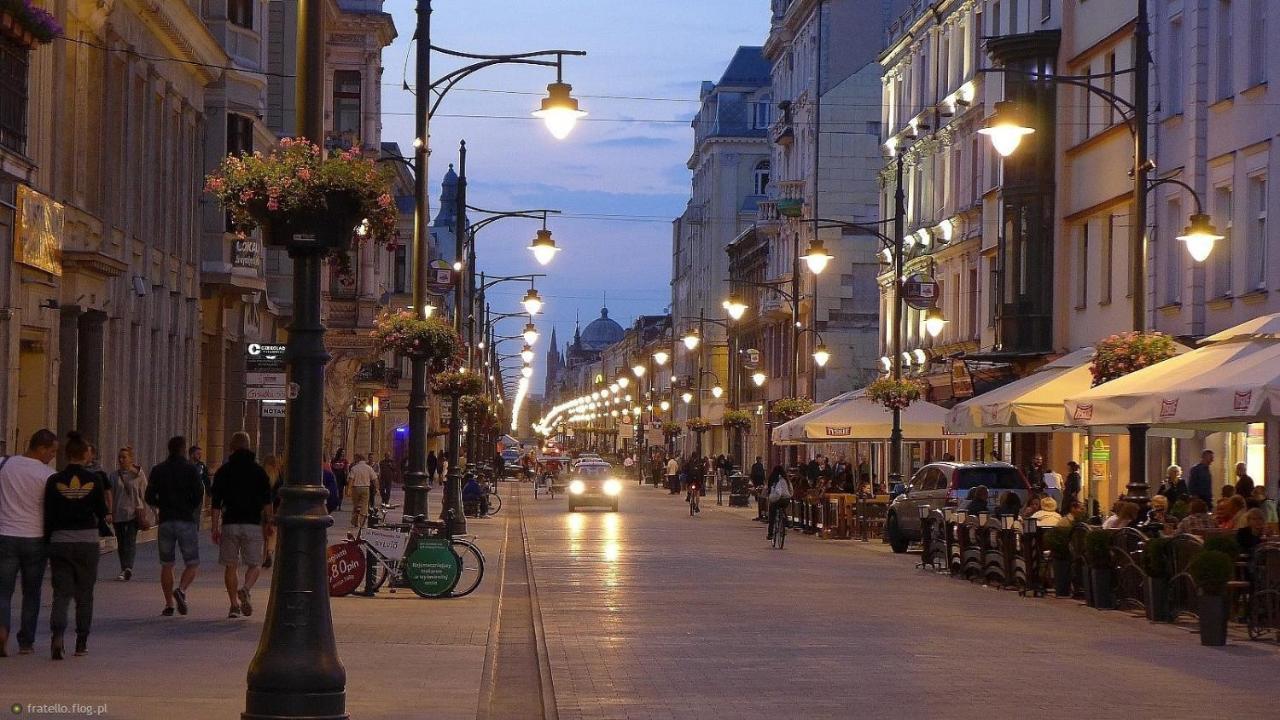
x=1226, y=383
x=852, y=417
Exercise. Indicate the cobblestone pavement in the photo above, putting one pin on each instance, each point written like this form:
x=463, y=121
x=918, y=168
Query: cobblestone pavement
x=405, y=657
x=650, y=613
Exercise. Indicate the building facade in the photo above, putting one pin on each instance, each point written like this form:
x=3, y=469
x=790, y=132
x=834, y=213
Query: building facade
x=731, y=170
x=102, y=192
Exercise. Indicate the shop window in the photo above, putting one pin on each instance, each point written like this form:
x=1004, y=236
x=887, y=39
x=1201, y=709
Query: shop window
x=239, y=135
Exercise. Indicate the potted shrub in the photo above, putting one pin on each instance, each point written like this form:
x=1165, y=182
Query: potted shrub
x=698, y=425
x=431, y=339
x=1058, y=541
x=791, y=408
x=1124, y=353
x=895, y=394
x=737, y=420
x=1212, y=570
x=457, y=383
x=1156, y=564
x=26, y=24
x=304, y=198
x=1097, y=553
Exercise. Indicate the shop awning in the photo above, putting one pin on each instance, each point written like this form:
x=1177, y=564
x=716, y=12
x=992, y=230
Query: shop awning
x=852, y=417
x=1233, y=380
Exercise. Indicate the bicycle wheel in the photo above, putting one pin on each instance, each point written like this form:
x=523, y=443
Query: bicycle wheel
x=495, y=503
x=471, y=564
x=380, y=575
x=781, y=534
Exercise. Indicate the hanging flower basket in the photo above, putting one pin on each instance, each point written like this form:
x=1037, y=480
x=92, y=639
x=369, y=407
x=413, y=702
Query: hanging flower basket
x=670, y=428
x=737, y=420
x=303, y=198
x=698, y=424
x=791, y=408
x=1121, y=354
x=26, y=24
x=895, y=394
x=474, y=407
x=430, y=339
x=457, y=383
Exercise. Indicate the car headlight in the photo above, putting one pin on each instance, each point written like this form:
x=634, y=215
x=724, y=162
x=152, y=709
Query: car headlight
x=577, y=487
x=612, y=487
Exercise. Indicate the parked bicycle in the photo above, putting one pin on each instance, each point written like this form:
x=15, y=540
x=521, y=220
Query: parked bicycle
x=389, y=548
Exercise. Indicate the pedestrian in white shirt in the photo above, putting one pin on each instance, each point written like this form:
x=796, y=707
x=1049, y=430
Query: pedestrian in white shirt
x=22, y=544
x=362, y=481
x=673, y=469
x=1053, y=485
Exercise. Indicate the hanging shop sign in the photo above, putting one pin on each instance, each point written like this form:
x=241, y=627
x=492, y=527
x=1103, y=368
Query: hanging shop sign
x=37, y=241
x=751, y=359
x=245, y=254
x=920, y=291
x=439, y=277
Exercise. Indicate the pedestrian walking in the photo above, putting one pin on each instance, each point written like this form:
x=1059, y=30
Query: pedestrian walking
x=1244, y=483
x=196, y=455
x=362, y=481
x=1173, y=487
x=387, y=475
x=75, y=507
x=1072, y=485
x=673, y=469
x=174, y=489
x=1200, y=482
x=433, y=466
x=22, y=544
x=241, y=502
x=340, y=468
x=129, y=512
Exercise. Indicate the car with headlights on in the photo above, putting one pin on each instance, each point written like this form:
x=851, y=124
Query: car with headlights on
x=593, y=484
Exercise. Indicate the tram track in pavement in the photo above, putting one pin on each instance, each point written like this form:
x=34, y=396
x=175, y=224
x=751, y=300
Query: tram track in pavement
x=517, y=675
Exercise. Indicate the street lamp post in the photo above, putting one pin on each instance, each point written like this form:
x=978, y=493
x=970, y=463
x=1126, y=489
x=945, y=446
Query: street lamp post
x=295, y=672
x=560, y=111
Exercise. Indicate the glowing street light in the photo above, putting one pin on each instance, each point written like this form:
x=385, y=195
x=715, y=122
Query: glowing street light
x=687, y=397
x=661, y=357
x=759, y=378
x=934, y=322
x=691, y=339
x=559, y=110
x=532, y=302
x=734, y=306
x=526, y=354
x=543, y=247
x=1006, y=128
x=1200, y=236
x=816, y=257
x=821, y=355
x=717, y=391
x=638, y=370
x=530, y=333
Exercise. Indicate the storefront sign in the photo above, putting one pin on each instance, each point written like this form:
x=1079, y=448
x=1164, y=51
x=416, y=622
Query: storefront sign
x=1101, y=451
x=37, y=240
x=439, y=277
x=245, y=254
x=265, y=379
x=433, y=568
x=272, y=409
x=264, y=393
x=920, y=291
x=961, y=380
x=346, y=566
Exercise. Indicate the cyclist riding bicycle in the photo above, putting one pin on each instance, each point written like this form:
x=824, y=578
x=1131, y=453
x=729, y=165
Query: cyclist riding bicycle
x=779, y=496
x=695, y=491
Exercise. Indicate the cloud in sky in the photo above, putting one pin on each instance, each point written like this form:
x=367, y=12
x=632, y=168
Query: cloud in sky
x=620, y=178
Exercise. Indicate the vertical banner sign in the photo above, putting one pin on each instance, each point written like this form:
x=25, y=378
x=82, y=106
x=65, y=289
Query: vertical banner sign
x=961, y=379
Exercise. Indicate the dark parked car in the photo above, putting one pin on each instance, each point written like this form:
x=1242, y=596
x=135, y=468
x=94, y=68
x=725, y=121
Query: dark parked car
x=943, y=484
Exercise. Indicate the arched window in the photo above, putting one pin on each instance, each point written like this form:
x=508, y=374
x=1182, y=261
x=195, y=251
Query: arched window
x=760, y=177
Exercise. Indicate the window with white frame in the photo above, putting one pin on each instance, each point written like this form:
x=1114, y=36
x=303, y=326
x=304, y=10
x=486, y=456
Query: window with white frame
x=1256, y=253
x=1172, y=254
x=1221, y=257
x=1173, y=67
x=1225, y=87
x=1082, y=267
x=1258, y=41
x=760, y=177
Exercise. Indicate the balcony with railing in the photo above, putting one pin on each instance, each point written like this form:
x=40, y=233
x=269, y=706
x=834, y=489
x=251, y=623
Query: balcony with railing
x=791, y=200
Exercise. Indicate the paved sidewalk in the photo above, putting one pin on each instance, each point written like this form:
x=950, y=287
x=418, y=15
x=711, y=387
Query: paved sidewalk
x=405, y=657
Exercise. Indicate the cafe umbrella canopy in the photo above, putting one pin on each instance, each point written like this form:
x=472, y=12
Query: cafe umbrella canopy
x=1033, y=404
x=1233, y=379
x=852, y=416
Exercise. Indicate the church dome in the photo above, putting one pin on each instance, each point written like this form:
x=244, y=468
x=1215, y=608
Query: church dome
x=601, y=332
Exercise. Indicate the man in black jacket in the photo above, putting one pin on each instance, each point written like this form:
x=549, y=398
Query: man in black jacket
x=175, y=490
x=75, y=505
x=241, y=500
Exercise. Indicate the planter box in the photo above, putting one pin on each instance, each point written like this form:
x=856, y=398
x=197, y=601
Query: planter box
x=788, y=207
x=1062, y=577
x=1213, y=620
x=1156, y=591
x=1104, y=596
